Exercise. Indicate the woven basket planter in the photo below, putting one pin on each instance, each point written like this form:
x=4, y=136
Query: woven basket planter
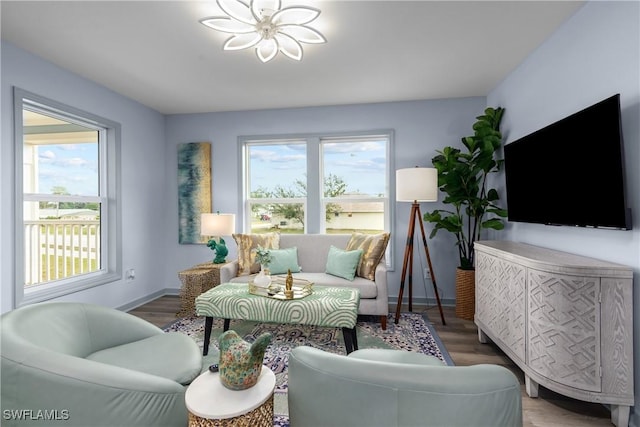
x=465, y=293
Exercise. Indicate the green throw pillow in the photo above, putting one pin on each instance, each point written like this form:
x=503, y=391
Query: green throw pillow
x=343, y=263
x=283, y=260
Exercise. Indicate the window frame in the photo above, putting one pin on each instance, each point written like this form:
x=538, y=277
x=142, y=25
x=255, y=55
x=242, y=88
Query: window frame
x=246, y=201
x=315, y=201
x=388, y=222
x=110, y=212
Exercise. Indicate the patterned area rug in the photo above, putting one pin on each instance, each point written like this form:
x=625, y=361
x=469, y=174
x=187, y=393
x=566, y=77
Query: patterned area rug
x=412, y=333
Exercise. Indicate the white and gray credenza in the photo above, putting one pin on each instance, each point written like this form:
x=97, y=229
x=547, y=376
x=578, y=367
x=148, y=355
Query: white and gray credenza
x=565, y=320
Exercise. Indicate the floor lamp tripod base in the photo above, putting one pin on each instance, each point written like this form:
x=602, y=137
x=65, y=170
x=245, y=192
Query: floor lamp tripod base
x=407, y=265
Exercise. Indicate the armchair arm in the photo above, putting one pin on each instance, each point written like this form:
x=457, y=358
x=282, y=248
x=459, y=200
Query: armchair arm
x=44, y=380
x=73, y=328
x=396, y=356
x=327, y=389
x=228, y=271
x=382, y=300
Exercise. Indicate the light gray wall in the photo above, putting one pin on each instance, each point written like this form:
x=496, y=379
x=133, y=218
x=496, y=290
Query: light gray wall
x=421, y=127
x=593, y=56
x=149, y=191
x=143, y=178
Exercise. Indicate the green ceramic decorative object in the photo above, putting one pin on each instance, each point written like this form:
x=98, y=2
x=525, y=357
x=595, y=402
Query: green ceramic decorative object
x=241, y=362
x=221, y=250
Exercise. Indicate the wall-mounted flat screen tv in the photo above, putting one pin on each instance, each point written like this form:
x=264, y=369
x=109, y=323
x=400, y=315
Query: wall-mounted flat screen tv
x=570, y=172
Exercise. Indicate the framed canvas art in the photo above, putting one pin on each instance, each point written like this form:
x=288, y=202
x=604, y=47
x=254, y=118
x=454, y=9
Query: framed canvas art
x=194, y=189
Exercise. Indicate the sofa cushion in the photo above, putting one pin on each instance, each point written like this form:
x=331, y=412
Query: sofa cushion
x=373, y=247
x=247, y=245
x=169, y=355
x=366, y=287
x=283, y=260
x=343, y=263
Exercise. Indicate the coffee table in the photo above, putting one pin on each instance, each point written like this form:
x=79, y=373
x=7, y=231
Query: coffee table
x=211, y=404
x=327, y=306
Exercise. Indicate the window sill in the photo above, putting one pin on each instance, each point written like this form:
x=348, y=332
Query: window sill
x=54, y=290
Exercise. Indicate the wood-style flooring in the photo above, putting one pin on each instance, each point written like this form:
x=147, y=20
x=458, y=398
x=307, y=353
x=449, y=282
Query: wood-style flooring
x=460, y=337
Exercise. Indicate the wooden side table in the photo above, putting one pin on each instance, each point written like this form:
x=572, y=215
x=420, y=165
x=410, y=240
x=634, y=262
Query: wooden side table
x=196, y=280
x=211, y=404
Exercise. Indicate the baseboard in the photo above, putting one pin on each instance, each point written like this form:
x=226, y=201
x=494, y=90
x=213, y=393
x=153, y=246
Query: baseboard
x=148, y=298
x=172, y=291
x=427, y=302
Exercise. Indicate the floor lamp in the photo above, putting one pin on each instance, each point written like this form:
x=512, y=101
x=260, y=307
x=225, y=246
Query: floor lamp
x=416, y=185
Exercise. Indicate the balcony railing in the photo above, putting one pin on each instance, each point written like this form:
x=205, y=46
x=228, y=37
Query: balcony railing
x=57, y=249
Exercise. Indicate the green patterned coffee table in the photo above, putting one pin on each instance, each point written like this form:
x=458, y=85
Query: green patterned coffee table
x=329, y=307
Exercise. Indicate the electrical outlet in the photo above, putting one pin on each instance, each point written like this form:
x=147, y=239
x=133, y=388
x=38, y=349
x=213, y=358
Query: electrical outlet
x=130, y=274
x=427, y=274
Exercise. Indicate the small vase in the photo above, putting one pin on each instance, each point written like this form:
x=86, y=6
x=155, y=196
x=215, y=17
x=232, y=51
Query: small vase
x=240, y=361
x=263, y=279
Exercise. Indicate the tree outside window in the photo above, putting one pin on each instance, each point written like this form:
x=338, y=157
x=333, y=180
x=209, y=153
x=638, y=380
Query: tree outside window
x=285, y=191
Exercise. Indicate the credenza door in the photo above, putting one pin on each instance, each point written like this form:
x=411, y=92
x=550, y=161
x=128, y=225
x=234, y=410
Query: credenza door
x=564, y=328
x=501, y=300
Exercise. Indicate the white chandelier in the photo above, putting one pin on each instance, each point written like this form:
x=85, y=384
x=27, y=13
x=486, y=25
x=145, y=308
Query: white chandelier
x=263, y=25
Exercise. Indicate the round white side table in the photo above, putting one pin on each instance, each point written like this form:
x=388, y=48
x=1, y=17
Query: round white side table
x=211, y=404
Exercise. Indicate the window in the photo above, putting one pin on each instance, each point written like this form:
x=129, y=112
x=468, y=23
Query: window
x=355, y=179
x=276, y=186
x=67, y=219
x=317, y=183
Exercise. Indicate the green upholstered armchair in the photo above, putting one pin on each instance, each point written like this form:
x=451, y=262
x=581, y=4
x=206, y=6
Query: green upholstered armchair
x=375, y=387
x=72, y=364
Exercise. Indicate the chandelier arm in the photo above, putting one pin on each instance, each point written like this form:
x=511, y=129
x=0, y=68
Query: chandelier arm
x=289, y=46
x=267, y=49
x=238, y=10
x=227, y=25
x=259, y=6
x=302, y=33
x=241, y=41
x=295, y=15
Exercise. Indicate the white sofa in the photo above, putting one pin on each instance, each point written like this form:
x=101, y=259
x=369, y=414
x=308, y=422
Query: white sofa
x=312, y=257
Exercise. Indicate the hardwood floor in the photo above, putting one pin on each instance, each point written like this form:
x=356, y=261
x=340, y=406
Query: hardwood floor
x=160, y=312
x=460, y=337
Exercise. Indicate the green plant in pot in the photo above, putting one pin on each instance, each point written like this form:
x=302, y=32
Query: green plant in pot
x=462, y=177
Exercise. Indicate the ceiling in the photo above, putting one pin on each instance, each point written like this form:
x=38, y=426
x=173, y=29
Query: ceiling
x=157, y=52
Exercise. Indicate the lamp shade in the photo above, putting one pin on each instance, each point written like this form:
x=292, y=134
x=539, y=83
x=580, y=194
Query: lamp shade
x=217, y=224
x=417, y=185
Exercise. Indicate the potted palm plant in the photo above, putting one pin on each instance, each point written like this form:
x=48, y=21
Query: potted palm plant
x=462, y=177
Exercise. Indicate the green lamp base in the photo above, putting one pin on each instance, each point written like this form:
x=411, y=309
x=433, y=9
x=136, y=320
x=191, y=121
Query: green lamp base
x=221, y=250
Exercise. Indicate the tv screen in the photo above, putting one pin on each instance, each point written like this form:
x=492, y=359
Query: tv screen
x=570, y=172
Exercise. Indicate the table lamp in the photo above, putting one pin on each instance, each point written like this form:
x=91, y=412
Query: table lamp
x=416, y=185
x=216, y=225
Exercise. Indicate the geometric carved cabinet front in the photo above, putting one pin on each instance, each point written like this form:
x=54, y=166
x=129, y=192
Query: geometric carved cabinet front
x=501, y=291
x=564, y=332
x=566, y=320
